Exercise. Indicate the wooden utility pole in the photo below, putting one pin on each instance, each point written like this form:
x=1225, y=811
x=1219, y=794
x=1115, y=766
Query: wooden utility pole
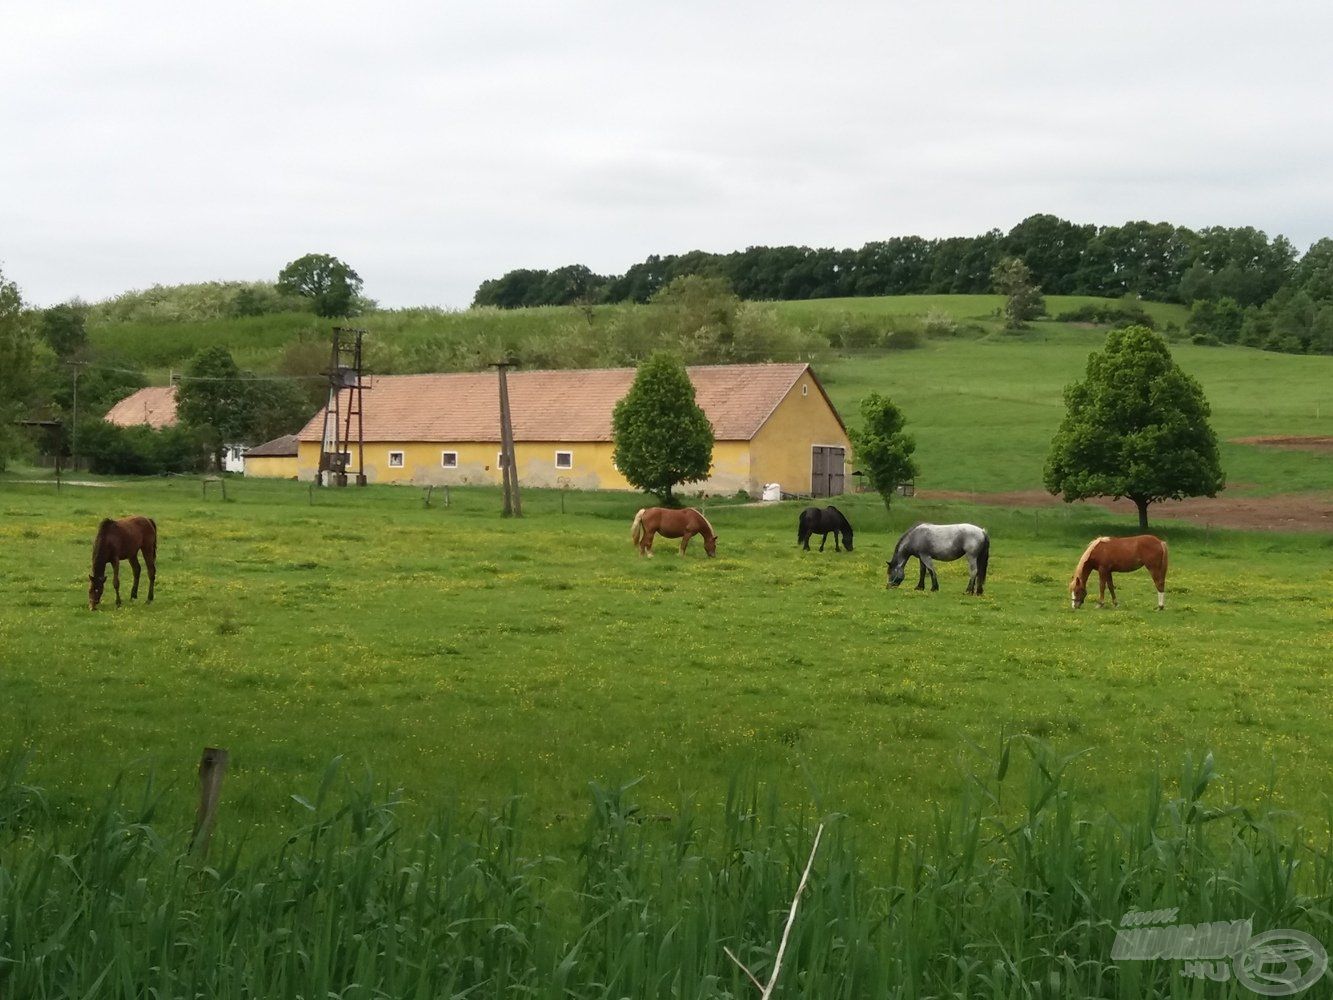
x=508, y=464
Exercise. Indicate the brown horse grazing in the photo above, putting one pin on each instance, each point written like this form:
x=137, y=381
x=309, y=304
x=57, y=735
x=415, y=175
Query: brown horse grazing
x=117, y=540
x=1119, y=555
x=683, y=524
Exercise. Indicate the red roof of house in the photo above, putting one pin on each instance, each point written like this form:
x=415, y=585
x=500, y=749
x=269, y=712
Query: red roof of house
x=154, y=406
x=570, y=405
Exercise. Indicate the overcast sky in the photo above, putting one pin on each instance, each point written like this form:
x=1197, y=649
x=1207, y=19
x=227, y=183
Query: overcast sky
x=432, y=145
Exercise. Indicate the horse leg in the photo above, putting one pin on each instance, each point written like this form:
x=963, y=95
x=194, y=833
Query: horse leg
x=648, y=543
x=972, y=574
x=921, y=580
x=1110, y=585
x=929, y=564
x=805, y=541
x=134, y=565
x=823, y=540
x=1159, y=581
x=115, y=578
x=1102, y=578
x=150, y=560
x=837, y=547
x=685, y=540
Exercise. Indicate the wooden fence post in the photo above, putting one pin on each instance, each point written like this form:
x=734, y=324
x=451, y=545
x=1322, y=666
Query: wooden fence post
x=212, y=768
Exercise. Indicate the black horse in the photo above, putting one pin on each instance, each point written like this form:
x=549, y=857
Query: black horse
x=820, y=522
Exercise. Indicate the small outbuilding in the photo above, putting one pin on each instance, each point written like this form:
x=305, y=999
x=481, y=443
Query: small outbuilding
x=773, y=423
x=274, y=459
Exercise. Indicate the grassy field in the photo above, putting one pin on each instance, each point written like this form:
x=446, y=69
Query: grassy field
x=983, y=411
x=465, y=657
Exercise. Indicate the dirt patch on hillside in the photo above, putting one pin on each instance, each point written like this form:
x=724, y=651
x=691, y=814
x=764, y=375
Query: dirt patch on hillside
x=1285, y=512
x=1320, y=445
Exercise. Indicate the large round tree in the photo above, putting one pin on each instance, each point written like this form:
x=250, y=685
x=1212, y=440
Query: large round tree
x=1135, y=427
x=662, y=437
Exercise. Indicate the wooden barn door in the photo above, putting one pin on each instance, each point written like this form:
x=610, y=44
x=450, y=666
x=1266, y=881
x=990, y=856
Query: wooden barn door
x=827, y=470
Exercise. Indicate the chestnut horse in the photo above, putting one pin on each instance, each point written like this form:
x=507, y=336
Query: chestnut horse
x=117, y=540
x=1119, y=555
x=670, y=523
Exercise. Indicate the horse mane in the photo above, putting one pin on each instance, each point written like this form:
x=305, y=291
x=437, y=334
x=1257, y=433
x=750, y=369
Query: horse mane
x=1087, y=554
x=706, y=522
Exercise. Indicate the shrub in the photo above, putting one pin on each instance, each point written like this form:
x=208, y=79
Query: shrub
x=1108, y=313
x=902, y=340
x=140, y=451
x=939, y=323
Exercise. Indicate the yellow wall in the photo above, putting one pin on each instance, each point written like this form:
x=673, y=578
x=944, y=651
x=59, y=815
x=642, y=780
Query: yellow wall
x=273, y=467
x=592, y=467
x=780, y=452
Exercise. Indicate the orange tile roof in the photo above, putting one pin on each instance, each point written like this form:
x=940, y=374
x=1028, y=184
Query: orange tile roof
x=154, y=406
x=570, y=405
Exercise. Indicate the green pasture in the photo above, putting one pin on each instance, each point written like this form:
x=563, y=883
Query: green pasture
x=983, y=411
x=464, y=657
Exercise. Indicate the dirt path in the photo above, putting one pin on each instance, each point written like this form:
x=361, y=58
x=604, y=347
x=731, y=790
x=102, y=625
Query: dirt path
x=1285, y=512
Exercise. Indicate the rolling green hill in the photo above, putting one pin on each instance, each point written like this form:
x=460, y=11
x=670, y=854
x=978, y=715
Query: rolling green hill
x=982, y=402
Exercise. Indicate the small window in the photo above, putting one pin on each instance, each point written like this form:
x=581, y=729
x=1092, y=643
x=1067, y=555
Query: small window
x=805, y=390
x=449, y=459
x=395, y=459
x=500, y=462
x=564, y=460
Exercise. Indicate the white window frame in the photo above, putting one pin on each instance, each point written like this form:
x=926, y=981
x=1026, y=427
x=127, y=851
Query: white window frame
x=444, y=463
x=402, y=460
x=567, y=465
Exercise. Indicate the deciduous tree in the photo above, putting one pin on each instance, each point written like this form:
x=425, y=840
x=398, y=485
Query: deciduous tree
x=1023, y=299
x=662, y=437
x=881, y=448
x=332, y=287
x=1136, y=427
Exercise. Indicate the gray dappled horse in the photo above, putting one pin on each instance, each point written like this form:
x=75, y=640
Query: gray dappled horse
x=945, y=542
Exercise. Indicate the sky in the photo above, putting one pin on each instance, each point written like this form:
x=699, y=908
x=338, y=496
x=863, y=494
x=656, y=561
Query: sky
x=434, y=145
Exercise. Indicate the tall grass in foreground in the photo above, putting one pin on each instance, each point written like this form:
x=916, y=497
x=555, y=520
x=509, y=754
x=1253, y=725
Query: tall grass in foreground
x=997, y=899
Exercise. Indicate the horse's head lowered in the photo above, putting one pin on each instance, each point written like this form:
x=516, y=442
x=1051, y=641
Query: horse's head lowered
x=1078, y=592
x=710, y=544
x=95, y=584
x=896, y=571
x=847, y=538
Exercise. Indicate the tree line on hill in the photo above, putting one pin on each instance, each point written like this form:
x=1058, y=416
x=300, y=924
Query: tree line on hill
x=1242, y=286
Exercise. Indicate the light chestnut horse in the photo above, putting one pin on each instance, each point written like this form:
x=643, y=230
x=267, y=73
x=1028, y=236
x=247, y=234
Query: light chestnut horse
x=1118, y=555
x=117, y=540
x=670, y=523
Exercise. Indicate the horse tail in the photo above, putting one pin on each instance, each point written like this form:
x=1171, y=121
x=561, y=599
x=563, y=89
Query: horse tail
x=1164, y=554
x=983, y=557
x=636, y=529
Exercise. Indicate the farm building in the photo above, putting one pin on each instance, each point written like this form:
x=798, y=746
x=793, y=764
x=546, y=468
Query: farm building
x=773, y=423
x=154, y=405
x=274, y=459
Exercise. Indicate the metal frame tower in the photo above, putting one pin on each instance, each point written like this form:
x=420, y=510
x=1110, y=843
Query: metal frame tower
x=345, y=374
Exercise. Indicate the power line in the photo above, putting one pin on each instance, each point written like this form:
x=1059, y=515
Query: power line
x=212, y=378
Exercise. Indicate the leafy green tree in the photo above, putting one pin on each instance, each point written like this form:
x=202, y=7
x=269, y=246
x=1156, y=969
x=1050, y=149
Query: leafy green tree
x=332, y=287
x=881, y=448
x=1135, y=427
x=17, y=364
x=215, y=400
x=1023, y=299
x=662, y=437
x=64, y=327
